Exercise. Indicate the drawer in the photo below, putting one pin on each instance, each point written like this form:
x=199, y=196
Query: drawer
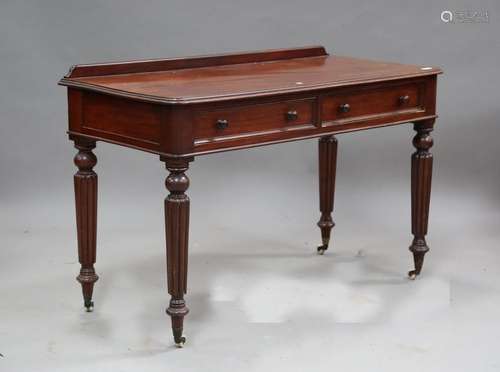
x=372, y=102
x=248, y=120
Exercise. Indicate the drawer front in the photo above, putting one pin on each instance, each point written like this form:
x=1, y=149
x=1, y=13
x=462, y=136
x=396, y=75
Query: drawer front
x=248, y=120
x=372, y=102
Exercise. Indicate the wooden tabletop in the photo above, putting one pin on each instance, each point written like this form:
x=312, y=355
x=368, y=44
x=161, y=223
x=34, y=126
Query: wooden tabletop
x=218, y=78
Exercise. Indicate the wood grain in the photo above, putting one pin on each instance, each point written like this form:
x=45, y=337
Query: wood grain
x=254, y=118
x=133, y=103
x=123, y=119
x=372, y=101
x=154, y=65
x=244, y=80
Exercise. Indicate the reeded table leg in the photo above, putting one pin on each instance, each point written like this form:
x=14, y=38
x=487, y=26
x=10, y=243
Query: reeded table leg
x=177, y=232
x=327, y=171
x=421, y=176
x=86, y=216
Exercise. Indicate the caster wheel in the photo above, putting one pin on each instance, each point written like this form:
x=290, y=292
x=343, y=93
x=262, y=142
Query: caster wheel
x=180, y=343
x=322, y=249
x=412, y=275
x=89, y=307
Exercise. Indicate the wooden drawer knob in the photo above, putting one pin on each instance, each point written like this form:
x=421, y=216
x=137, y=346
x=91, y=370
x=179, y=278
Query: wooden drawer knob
x=403, y=100
x=222, y=124
x=345, y=107
x=292, y=115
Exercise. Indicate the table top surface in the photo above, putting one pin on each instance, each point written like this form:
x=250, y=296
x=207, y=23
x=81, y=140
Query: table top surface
x=313, y=69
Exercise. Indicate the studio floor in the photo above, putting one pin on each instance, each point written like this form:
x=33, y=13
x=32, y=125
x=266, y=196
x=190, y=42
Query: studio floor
x=259, y=301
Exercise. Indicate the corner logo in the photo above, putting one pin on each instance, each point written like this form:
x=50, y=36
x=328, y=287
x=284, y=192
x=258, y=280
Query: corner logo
x=465, y=16
x=446, y=16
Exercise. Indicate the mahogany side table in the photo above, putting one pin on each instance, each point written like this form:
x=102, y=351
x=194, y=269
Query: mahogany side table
x=186, y=107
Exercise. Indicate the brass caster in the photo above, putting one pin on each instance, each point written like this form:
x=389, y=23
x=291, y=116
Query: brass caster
x=180, y=342
x=89, y=306
x=322, y=249
x=412, y=275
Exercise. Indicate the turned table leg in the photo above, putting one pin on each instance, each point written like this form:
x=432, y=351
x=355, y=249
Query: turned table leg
x=421, y=176
x=177, y=232
x=327, y=169
x=86, y=216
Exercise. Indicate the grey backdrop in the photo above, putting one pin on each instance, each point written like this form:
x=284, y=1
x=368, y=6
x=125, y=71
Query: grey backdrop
x=39, y=40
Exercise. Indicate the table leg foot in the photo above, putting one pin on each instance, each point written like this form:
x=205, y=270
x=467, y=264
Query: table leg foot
x=177, y=311
x=179, y=339
x=87, y=278
x=419, y=248
x=321, y=249
x=89, y=306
